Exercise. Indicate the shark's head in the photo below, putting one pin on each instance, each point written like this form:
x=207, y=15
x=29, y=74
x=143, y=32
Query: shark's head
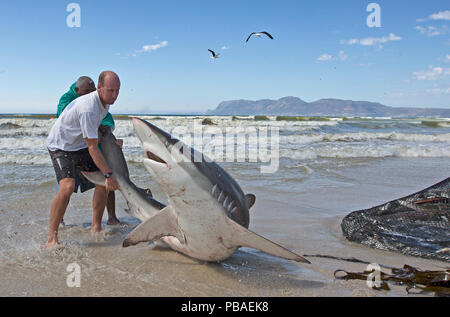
x=158, y=145
x=173, y=165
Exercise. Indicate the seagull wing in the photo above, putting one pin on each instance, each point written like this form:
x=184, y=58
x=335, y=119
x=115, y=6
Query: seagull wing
x=248, y=38
x=267, y=35
x=212, y=52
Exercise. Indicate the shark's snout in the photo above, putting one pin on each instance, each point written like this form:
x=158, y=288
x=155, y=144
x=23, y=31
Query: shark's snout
x=146, y=131
x=154, y=142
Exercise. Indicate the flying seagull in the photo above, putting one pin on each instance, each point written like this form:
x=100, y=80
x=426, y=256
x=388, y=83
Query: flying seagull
x=214, y=55
x=259, y=34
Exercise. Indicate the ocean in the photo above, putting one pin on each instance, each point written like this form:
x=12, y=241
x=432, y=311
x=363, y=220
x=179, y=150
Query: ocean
x=306, y=173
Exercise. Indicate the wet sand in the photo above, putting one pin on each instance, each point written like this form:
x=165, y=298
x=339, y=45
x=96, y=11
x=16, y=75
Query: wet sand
x=306, y=221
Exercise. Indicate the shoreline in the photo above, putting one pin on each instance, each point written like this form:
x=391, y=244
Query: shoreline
x=303, y=222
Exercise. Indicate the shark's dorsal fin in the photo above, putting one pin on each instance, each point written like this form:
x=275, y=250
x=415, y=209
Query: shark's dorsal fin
x=161, y=225
x=95, y=177
x=246, y=238
x=250, y=198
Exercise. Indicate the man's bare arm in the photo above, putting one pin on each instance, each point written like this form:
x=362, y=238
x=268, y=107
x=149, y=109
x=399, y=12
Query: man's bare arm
x=97, y=156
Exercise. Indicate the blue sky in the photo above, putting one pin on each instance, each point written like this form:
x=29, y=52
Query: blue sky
x=322, y=49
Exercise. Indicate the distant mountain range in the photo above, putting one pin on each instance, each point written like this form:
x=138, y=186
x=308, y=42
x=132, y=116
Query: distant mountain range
x=323, y=107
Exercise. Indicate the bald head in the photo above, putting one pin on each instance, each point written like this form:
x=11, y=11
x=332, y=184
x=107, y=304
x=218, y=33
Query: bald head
x=108, y=87
x=84, y=86
x=107, y=75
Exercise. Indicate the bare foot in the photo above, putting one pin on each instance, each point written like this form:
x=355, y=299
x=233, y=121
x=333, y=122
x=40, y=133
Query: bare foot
x=96, y=229
x=53, y=245
x=113, y=222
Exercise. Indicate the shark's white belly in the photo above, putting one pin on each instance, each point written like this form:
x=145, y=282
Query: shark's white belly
x=205, y=227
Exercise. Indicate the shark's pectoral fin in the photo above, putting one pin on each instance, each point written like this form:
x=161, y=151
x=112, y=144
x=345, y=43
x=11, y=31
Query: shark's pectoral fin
x=250, y=198
x=95, y=177
x=246, y=238
x=162, y=224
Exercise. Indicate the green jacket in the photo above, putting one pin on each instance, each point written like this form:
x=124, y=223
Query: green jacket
x=70, y=96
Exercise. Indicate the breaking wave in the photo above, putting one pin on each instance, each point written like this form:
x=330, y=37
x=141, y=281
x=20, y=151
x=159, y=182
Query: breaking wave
x=22, y=140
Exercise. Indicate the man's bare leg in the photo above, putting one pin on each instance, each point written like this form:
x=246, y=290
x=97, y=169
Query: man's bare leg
x=98, y=206
x=111, y=207
x=58, y=208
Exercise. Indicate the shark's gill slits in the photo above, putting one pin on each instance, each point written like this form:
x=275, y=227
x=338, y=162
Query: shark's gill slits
x=226, y=201
x=221, y=197
x=155, y=157
x=213, y=191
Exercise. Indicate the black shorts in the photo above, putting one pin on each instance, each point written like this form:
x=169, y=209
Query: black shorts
x=69, y=164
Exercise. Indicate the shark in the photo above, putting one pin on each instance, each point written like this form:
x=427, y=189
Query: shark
x=207, y=215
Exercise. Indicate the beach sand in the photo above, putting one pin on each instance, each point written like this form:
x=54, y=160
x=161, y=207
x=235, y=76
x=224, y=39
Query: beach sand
x=305, y=219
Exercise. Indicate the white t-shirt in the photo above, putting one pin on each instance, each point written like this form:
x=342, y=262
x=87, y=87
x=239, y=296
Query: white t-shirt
x=79, y=120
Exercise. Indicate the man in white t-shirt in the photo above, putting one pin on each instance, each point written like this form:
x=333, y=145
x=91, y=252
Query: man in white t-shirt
x=72, y=142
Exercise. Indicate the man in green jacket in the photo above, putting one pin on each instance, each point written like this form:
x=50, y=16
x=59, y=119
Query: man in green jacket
x=85, y=85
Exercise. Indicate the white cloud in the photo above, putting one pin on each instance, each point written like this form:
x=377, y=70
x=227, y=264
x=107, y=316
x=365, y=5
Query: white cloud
x=438, y=91
x=342, y=56
x=434, y=73
x=443, y=15
x=223, y=48
x=370, y=41
x=325, y=57
x=432, y=31
x=447, y=58
x=153, y=47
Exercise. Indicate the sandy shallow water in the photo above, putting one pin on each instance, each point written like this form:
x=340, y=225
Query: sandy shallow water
x=305, y=219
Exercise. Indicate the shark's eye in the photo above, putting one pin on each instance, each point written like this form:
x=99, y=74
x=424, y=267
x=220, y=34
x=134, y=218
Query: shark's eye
x=155, y=157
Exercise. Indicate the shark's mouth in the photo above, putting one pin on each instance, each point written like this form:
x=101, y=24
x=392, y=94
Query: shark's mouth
x=155, y=157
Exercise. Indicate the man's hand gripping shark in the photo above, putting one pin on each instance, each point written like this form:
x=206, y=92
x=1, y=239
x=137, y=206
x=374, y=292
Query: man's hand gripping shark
x=208, y=214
